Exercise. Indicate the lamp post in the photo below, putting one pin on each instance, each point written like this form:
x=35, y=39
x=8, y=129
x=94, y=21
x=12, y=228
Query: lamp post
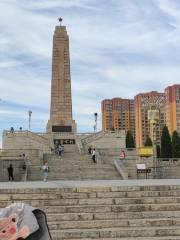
x=153, y=117
x=29, y=114
x=95, y=120
x=60, y=20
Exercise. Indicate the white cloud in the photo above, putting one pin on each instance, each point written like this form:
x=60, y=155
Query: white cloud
x=46, y=4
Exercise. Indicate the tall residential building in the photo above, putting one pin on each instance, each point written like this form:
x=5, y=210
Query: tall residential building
x=143, y=103
x=106, y=109
x=173, y=108
x=118, y=114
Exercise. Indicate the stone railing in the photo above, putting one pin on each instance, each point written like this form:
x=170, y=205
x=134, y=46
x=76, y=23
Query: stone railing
x=170, y=160
x=34, y=136
x=98, y=158
x=121, y=168
x=92, y=137
x=25, y=140
x=15, y=153
x=117, y=151
x=38, y=138
x=168, y=167
x=79, y=145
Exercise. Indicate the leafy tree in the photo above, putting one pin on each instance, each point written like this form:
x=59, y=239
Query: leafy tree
x=166, y=146
x=175, y=145
x=129, y=140
x=148, y=142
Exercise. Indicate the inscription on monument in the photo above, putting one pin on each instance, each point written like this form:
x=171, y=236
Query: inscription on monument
x=64, y=141
x=61, y=128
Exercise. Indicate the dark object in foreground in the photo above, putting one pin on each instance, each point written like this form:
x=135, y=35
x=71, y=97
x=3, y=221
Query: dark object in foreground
x=43, y=232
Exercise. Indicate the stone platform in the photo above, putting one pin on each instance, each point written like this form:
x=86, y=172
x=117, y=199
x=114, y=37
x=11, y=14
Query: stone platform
x=126, y=209
x=91, y=183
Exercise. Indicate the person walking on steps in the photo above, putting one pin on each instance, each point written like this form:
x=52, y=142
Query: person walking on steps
x=10, y=170
x=89, y=150
x=60, y=150
x=94, y=155
x=45, y=169
x=122, y=155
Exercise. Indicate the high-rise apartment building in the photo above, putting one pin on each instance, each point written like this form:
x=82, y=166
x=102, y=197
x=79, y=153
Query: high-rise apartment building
x=106, y=109
x=172, y=94
x=118, y=114
x=143, y=103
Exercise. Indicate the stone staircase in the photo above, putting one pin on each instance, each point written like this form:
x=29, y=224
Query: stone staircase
x=105, y=210
x=12, y=156
x=130, y=161
x=25, y=140
x=73, y=166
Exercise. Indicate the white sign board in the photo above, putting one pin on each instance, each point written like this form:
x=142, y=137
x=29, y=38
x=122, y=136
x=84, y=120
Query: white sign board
x=141, y=166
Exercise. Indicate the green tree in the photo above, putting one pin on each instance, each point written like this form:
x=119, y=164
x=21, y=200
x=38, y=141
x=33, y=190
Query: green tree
x=175, y=145
x=129, y=140
x=166, y=146
x=148, y=142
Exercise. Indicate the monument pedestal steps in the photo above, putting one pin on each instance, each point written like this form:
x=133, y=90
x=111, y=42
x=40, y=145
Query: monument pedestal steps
x=126, y=210
x=73, y=166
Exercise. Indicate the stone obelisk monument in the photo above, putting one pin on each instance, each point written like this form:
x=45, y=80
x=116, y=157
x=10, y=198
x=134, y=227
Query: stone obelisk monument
x=61, y=101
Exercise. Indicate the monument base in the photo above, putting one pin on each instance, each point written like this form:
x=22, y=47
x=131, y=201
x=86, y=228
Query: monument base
x=70, y=127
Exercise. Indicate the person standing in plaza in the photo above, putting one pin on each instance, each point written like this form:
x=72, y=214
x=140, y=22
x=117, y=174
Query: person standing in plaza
x=10, y=170
x=45, y=169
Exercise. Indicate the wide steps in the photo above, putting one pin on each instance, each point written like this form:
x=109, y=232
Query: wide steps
x=132, y=238
x=94, y=210
x=116, y=232
x=85, y=224
x=53, y=215
x=115, y=208
x=73, y=166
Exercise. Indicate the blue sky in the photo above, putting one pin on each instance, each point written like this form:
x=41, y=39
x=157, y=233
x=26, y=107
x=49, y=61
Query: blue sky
x=118, y=48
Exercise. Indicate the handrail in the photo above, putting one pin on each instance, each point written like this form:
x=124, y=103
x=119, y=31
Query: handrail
x=91, y=137
x=98, y=158
x=79, y=145
x=34, y=136
x=121, y=169
x=168, y=159
x=26, y=174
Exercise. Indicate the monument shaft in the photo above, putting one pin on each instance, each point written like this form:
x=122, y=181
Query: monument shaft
x=61, y=101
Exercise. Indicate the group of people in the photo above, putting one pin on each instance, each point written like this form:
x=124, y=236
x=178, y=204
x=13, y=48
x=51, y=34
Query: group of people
x=45, y=167
x=45, y=170
x=59, y=149
x=92, y=152
x=12, y=129
x=10, y=169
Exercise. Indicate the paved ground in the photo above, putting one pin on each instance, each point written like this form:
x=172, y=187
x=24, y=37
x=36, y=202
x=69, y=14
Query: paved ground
x=92, y=183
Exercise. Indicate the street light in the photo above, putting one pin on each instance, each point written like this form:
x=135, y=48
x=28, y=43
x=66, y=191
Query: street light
x=95, y=120
x=153, y=117
x=60, y=20
x=29, y=114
